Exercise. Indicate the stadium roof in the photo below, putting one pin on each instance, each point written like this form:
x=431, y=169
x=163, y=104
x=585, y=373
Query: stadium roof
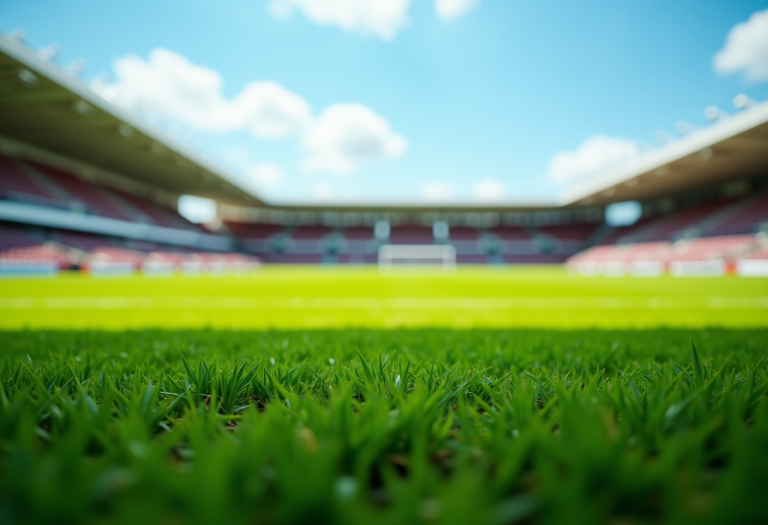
x=47, y=107
x=736, y=146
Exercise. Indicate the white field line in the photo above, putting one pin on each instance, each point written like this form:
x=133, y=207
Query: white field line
x=366, y=303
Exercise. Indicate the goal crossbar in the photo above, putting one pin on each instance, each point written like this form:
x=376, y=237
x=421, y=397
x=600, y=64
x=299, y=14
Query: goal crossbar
x=412, y=255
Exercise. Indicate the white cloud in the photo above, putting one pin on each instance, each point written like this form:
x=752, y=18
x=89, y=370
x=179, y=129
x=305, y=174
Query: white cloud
x=489, y=190
x=265, y=175
x=437, y=191
x=450, y=9
x=274, y=112
x=379, y=18
x=170, y=86
x=746, y=48
x=346, y=136
x=324, y=191
x=595, y=154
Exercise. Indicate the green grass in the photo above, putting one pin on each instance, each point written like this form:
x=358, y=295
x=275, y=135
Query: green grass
x=561, y=400
x=319, y=297
x=420, y=426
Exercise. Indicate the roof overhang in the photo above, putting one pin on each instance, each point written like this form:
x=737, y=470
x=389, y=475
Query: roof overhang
x=734, y=147
x=49, y=108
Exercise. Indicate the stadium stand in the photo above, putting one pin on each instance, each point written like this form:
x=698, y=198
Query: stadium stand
x=14, y=236
x=244, y=230
x=17, y=185
x=709, y=248
x=569, y=232
x=463, y=233
x=80, y=240
x=88, y=195
x=630, y=258
x=41, y=253
x=471, y=259
x=146, y=211
x=41, y=187
x=34, y=183
x=113, y=254
x=358, y=233
x=532, y=259
x=310, y=232
x=664, y=228
x=410, y=235
x=294, y=258
x=357, y=258
x=510, y=233
x=747, y=216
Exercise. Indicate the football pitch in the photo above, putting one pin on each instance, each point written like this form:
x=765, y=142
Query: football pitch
x=319, y=297
x=314, y=395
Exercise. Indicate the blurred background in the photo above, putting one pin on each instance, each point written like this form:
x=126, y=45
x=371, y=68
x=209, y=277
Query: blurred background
x=193, y=136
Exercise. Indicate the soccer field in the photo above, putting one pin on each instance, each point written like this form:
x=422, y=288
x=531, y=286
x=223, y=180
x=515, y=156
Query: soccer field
x=314, y=395
x=318, y=297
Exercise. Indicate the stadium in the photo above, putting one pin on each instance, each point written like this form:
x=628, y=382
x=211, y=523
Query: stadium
x=105, y=199
x=519, y=361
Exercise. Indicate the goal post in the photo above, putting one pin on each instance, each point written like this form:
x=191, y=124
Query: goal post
x=410, y=256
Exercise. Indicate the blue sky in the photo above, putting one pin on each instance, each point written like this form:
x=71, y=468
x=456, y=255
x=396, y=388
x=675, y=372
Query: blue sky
x=414, y=100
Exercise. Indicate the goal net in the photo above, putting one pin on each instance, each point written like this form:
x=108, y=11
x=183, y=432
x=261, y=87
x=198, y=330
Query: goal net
x=409, y=256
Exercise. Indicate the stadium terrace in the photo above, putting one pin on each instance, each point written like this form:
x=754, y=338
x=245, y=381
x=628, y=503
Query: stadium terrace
x=103, y=199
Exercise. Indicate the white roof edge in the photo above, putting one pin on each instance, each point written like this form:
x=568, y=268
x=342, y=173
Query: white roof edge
x=698, y=140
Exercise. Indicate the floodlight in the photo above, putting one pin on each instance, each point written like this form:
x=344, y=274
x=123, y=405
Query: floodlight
x=49, y=52
x=125, y=130
x=662, y=137
x=682, y=128
x=28, y=78
x=712, y=113
x=82, y=107
x=18, y=36
x=742, y=101
x=76, y=67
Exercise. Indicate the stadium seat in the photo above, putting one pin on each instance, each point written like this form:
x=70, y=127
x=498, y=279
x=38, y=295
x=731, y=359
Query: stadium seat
x=246, y=230
x=358, y=233
x=665, y=228
x=310, y=232
x=13, y=236
x=17, y=185
x=410, y=235
x=357, y=258
x=511, y=233
x=752, y=212
x=48, y=252
x=90, y=195
x=463, y=233
x=570, y=232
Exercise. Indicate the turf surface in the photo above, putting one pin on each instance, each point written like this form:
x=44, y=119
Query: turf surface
x=340, y=297
x=585, y=423
x=421, y=426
